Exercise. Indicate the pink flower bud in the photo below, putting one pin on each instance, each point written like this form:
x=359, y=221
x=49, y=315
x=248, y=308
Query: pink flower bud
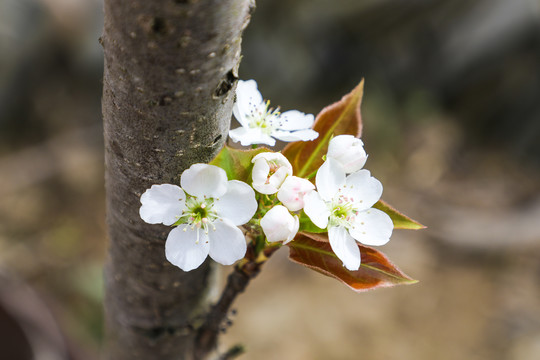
x=292, y=191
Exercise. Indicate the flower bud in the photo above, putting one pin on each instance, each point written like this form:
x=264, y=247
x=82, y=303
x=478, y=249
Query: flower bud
x=292, y=191
x=279, y=225
x=348, y=151
x=269, y=171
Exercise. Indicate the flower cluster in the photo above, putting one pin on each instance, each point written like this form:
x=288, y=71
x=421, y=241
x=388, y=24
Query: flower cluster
x=208, y=208
x=272, y=175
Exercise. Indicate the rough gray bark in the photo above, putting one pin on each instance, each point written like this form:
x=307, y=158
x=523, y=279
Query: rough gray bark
x=170, y=68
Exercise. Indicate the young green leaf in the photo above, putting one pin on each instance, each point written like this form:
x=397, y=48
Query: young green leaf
x=236, y=163
x=342, y=117
x=306, y=225
x=400, y=220
x=375, y=269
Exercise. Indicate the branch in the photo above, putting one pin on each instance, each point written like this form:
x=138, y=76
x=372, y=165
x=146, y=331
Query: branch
x=237, y=281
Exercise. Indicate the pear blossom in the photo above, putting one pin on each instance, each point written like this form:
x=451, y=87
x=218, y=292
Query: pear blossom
x=348, y=151
x=279, y=225
x=206, y=210
x=262, y=124
x=343, y=205
x=269, y=171
x=292, y=191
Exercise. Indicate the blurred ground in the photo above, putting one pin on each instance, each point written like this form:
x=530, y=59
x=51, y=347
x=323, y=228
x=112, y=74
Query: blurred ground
x=452, y=126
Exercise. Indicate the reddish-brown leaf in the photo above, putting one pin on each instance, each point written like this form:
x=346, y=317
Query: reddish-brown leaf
x=375, y=270
x=342, y=117
x=401, y=221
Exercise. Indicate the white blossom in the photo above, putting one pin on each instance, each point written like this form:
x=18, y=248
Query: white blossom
x=348, y=151
x=207, y=209
x=279, y=225
x=343, y=205
x=292, y=192
x=262, y=124
x=269, y=171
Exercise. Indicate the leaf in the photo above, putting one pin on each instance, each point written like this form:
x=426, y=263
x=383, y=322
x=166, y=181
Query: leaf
x=306, y=225
x=375, y=269
x=342, y=117
x=400, y=220
x=236, y=163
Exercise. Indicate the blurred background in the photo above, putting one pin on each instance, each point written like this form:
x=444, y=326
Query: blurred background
x=451, y=123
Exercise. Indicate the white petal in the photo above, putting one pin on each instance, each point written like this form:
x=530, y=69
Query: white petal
x=344, y=247
x=363, y=188
x=348, y=151
x=279, y=225
x=182, y=248
x=292, y=234
x=162, y=204
x=300, y=135
x=276, y=157
x=292, y=191
x=250, y=136
x=242, y=118
x=260, y=171
x=265, y=188
x=330, y=177
x=295, y=120
x=259, y=174
x=238, y=204
x=248, y=99
x=279, y=177
x=227, y=242
x=372, y=227
x=204, y=180
x=316, y=209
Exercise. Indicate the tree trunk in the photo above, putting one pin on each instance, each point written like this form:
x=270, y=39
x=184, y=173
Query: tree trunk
x=168, y=91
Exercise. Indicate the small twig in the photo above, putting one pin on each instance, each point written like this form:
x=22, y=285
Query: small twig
x=233, y=352
x=237, y=281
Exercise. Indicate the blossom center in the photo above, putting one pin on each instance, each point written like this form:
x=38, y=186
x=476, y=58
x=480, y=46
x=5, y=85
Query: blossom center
x=199, y=214
x=273, y=168
x=263, y=117
x=342, y=212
